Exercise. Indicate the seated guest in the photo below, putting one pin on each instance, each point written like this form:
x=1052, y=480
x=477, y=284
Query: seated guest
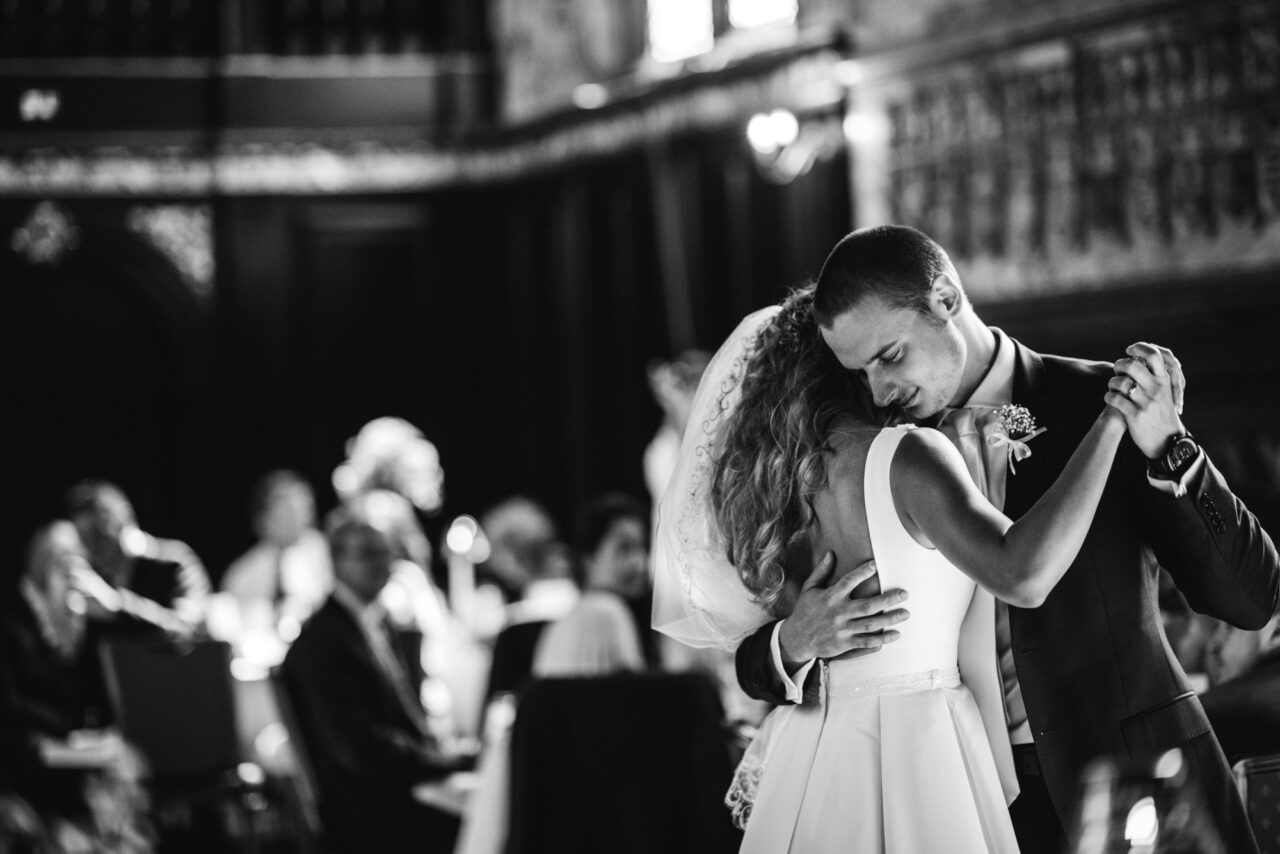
x=78, y=779
x=527, y=561
x=149, y=581
x=431, y=639
x=601, y=634
x=286, y=574
x=359, y=708
x=598, y=637
x=530, y=567
x=1243, y=701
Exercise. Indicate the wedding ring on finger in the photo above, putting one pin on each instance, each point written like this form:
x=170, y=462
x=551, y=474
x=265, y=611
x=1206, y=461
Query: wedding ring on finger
x=1132, y=389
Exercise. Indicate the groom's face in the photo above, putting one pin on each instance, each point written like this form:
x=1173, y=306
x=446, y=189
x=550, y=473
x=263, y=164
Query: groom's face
x=907, y=359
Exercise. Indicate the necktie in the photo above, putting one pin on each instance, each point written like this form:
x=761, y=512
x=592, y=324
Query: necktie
x=379, y=633
x=964, y=425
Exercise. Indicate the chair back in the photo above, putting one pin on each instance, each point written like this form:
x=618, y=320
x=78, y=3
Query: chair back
x=1258, y=778
x=305, y=789
x=625, y=763
x=175, y=703
x=513, y=651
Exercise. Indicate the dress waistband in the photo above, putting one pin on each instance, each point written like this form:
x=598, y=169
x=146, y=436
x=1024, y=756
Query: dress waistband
x=845, y=685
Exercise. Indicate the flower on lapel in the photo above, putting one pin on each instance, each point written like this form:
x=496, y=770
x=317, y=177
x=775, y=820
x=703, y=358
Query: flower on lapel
x=1014, y=426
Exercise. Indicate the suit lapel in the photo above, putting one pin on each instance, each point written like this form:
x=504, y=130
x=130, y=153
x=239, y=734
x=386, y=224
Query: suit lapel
x=1025, y=487
x=370, y=659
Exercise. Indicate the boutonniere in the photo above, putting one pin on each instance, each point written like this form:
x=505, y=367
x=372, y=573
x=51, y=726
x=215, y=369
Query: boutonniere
x=1014, y=426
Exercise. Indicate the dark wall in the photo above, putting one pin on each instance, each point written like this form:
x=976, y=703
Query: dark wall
x=107, y=373
x=512, y=324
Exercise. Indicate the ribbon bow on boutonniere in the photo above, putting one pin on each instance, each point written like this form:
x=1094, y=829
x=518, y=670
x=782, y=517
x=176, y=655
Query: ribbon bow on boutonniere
x=1013, y=428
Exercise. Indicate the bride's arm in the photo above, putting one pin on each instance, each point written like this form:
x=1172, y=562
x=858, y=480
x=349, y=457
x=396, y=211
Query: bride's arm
x=1020, y=562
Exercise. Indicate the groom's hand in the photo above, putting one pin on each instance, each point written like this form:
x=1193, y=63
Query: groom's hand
x=827, y=621
x=1148, y=388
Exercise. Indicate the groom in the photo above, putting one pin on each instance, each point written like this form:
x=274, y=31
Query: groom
x=1087, y=673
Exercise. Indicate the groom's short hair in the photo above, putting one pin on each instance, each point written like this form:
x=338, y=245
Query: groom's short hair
x=894, y=262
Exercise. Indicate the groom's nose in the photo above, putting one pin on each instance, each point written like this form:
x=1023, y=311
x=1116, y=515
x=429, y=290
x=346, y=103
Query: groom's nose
x=883, y=393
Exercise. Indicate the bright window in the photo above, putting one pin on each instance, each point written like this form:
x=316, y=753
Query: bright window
x=679, y=29
x=744, y=14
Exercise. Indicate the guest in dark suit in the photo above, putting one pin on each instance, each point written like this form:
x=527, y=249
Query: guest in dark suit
x=142, y=582
x=359, y=707
x=1087, y=673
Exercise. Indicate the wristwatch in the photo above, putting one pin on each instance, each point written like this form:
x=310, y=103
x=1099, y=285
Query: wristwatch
x=1180, y=453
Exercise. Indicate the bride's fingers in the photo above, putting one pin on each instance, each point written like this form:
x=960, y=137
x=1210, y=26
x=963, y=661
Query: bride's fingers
x=1137, y=370
x=1151, y=357
x=1177, y=379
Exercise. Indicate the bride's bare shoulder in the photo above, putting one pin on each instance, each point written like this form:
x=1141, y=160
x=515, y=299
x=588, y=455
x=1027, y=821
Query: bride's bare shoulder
x=924, y=453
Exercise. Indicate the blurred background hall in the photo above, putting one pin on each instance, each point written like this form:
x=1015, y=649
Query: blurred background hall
x=236, y=234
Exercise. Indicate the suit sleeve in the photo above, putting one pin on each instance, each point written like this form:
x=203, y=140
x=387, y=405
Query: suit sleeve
x=191, y=587
x=1219, y=556
x=756, y=672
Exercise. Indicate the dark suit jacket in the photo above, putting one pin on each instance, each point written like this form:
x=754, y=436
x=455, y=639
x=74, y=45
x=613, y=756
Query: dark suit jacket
x=1096, y=675
x=367, y=750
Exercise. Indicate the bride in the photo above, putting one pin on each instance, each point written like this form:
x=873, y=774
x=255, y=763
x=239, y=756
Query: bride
x=906, y=750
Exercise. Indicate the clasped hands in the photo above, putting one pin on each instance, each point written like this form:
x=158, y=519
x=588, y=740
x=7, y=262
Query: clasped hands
x=1148, y=391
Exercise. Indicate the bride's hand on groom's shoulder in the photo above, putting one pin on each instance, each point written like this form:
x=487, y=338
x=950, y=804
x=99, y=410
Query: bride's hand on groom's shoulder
x=1148, y=391
x=828, y=621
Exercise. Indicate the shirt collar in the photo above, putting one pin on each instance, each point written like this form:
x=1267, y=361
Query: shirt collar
x=366, y=614
x=996, y=388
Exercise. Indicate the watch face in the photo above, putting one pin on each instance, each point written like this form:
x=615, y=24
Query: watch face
x=1182, y=450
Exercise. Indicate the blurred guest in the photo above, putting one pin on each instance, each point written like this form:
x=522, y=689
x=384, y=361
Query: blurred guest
x=601, y=635
x=286, y=574
x=1243, y=701
x=598, y=637
x=428, y=634
x=527, y=561
x=137, y=578
x=530, y=566
x=1189, y=633
x=359, y=705
x=673, y=384
x=79, y=779
x=391, y=458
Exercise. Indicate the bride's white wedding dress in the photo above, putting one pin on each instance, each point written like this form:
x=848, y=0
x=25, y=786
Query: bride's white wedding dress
x=897, y=754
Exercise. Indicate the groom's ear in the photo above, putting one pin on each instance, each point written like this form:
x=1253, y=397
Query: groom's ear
x=945, y=297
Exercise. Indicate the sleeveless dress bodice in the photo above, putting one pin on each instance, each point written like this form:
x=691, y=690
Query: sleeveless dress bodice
x=895, y=755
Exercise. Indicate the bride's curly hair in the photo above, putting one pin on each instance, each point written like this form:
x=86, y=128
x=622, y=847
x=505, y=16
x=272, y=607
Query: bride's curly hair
x=772, y=457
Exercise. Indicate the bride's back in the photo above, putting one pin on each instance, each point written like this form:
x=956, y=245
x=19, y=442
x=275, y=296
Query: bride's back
x=846, y=526
x=840, y=515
